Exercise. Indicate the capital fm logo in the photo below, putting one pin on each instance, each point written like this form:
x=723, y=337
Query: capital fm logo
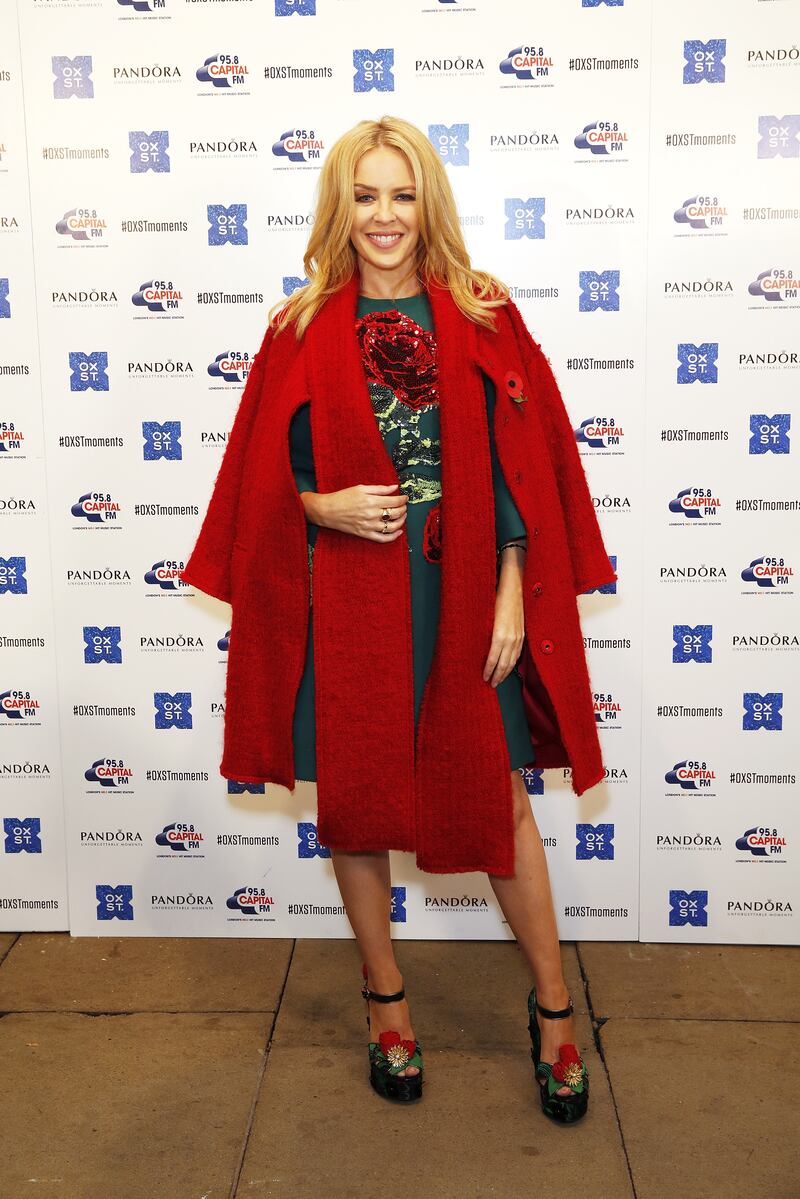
x=762, y=711
x=307, y=844
x=227, y=226
x=524, y=218
x=769, y=434
x=692, y=643
x=12, y=439
x=110, y=773
x=173, y=711
x=299, y=145
x=768, y=573
x=251, y=901
x=597, y=3
x=224, y=643
x=142, y=6
x=12, y=576
x=165, y=575
x=373, y=70
x=779, y=137
x=594, y=841
x=158, y=295
x=602, y=138
x=72, y=77
x=397, y=911
x=600, y=433
x=225, y=72
x=691, y=776
x=704, y=61
x=231, y=367
x=88, y=371
x=149, y=151
x=599, y=291
x=96, y=508
x=114, y=903
x=528, y=64
x=5, y=303
x=762, y=843
x=607, y=710
x=775, y=286
x=162, y=440
x=83, y=224
x=288, y=8
x=701, y=212
x=22, y=836
x=688, y=907
x=697, y=503
x=180, y=838
x=451, y=143
x=19, y=705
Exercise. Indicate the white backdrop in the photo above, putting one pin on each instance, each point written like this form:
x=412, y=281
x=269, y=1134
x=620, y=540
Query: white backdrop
x=631, y=170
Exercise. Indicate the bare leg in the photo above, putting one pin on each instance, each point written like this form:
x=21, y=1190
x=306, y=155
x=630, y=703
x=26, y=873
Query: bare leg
x=364, y=882
x=527, y=904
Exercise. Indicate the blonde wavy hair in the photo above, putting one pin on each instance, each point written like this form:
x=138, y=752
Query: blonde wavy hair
x=441, y=256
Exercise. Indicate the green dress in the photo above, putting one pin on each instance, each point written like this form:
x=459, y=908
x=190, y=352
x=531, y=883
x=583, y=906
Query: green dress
x=407, y=411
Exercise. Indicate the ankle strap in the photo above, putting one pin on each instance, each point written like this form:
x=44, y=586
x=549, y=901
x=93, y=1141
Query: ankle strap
x=551, y=1014
x=365, y=991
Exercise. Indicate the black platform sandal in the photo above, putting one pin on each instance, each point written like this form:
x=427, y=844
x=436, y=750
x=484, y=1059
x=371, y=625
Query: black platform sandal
x=569, y=1071
x=390, y=1054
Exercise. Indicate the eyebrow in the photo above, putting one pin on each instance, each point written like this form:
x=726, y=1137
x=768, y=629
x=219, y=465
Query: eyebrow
x=403, y=187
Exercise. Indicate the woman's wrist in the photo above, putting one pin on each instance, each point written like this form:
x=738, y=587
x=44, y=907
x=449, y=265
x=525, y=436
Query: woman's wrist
x=312, y=503
x=511, y=558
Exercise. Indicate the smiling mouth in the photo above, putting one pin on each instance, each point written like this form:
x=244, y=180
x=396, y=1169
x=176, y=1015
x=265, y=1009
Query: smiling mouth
x=385, y=239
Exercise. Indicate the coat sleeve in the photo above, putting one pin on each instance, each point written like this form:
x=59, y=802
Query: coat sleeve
x=591, y=565
x=209, y=565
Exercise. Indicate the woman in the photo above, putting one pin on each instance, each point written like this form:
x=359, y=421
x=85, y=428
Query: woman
x=401, y=673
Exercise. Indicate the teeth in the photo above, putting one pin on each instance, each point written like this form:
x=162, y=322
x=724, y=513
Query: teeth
x=384, y=238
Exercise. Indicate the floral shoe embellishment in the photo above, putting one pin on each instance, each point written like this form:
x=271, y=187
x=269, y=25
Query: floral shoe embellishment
x=401, y=355
x=568, y=1069
x=397, y=1051
x=513, y=383
x=432, y=535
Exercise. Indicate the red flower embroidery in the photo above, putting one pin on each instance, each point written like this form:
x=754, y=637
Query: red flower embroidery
x=401, y=355
x=432, y=535
x=568, y=1067
x=513, y=383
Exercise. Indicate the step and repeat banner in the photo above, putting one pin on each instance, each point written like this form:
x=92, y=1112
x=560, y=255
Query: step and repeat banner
x=632, y=171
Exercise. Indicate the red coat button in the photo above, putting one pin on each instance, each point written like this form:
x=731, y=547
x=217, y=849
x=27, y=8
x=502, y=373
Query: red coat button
x=537, y=588
x=536, y=530
x=546, y=646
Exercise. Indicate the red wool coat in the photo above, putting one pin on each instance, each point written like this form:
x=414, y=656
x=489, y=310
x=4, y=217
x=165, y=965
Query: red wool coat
x=445, y=795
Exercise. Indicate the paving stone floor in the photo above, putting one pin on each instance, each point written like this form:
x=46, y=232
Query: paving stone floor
x=148, y=1068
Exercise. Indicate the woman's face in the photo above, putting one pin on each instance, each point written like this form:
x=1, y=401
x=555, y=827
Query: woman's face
x=385, y=229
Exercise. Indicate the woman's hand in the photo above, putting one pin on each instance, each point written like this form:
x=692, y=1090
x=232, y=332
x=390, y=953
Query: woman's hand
x=357, y=510
x=509, y=619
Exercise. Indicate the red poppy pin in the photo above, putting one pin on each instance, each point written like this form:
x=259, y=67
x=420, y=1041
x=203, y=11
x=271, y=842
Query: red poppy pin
x=513, y=382
x=568, y=1068
x=397, y=1050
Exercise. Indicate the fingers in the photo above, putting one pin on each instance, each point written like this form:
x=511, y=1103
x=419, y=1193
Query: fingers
x=501, y=660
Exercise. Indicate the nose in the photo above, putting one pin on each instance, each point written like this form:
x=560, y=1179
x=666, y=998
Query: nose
x=385, y=210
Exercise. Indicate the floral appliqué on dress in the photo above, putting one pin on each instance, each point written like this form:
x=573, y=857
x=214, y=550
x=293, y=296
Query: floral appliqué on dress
x=400, y=363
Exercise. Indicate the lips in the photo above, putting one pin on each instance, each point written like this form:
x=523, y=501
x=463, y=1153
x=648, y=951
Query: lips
x=384, y=240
